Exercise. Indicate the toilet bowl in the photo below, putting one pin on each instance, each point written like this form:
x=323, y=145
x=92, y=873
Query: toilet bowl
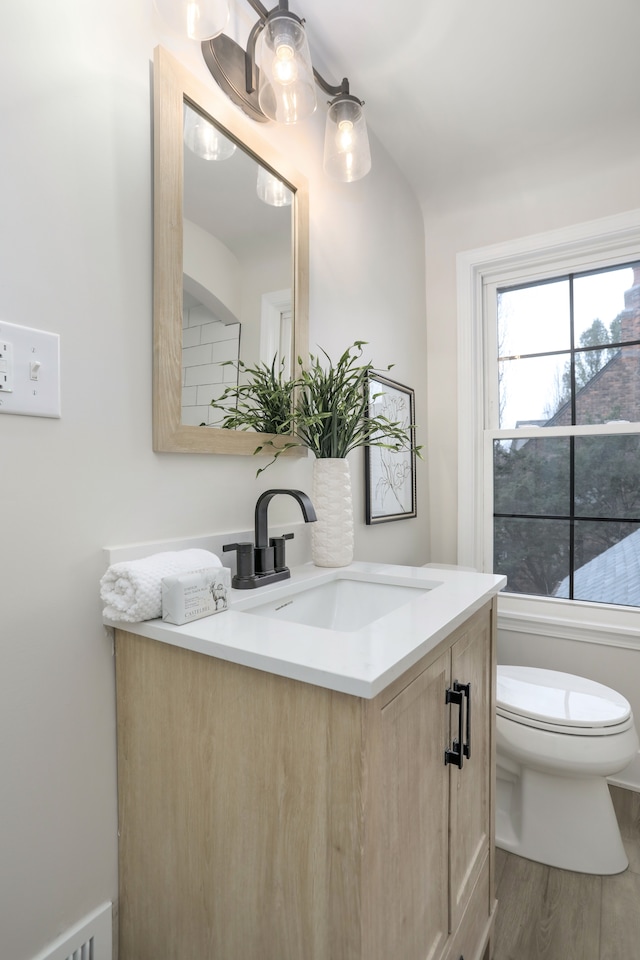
x=558, y=737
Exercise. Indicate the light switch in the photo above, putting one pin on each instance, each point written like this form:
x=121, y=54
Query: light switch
x=29, y=371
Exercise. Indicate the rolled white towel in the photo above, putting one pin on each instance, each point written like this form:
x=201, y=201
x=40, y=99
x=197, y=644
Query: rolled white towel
x=132, y=589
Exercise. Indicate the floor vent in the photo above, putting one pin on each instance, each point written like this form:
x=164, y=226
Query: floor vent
x=88, y=940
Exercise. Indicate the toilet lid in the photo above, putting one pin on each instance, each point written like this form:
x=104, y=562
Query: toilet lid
x=560, y=699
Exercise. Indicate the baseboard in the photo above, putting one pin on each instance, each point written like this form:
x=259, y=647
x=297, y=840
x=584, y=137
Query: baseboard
x=629, y=778
x=90, y=939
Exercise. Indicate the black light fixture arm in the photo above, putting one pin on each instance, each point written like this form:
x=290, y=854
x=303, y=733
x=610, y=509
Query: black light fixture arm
x=340, y=90
x=250, y=55
x=332, y=89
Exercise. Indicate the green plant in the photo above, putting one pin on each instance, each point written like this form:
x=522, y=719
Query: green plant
x=263, y=403
x=325, y=408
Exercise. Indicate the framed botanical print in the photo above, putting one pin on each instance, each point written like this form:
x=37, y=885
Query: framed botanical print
x=390, y=475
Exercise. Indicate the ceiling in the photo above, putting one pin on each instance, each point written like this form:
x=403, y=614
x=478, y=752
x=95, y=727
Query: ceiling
x=463, y=93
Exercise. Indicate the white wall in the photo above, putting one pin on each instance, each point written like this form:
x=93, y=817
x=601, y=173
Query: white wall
x=75, y=258
x=211, y=266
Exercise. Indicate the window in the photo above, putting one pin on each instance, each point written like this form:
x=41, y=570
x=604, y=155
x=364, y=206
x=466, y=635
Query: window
x=549, y=492
x=567, y=507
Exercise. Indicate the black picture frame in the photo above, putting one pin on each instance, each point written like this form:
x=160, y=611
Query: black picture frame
x=390, y=476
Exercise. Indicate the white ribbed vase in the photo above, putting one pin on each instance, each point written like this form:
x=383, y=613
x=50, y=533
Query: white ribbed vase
x=332, y=533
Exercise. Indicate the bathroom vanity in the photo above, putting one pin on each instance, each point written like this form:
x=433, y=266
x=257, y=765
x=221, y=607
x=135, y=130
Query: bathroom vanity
x=283, y=790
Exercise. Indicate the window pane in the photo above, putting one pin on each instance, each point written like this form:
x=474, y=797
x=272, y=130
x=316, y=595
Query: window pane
x=598, y=303
x=532, y=476
x=534, y=319
x=607, y=477
x=612, y=572
x=610, y=390
x=532, y=391
x=534, y=554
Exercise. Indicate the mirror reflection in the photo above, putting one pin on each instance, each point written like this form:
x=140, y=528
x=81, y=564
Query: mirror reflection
x=237, y=265
x=243, y=289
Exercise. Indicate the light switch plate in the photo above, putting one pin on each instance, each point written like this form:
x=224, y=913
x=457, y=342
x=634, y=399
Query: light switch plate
x=33, y=359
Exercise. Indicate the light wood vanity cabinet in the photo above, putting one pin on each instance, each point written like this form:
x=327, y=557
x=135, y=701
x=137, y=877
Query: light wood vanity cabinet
x=262, y=818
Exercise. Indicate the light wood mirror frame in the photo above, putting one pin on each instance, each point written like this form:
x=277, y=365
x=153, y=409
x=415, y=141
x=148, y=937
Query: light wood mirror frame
x=172, y=83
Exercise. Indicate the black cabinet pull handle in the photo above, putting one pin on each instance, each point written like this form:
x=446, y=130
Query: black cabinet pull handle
x=460, y=694
x=455, y=753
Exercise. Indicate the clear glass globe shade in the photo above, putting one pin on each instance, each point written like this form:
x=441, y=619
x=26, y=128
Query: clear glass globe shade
x=198, y=19
x=272, y=190
x=204, y=139
x=347, y=155
x=286, y=88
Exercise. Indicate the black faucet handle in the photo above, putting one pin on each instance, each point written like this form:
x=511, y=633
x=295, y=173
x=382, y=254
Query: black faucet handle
x=278, y=550
x=245, y=563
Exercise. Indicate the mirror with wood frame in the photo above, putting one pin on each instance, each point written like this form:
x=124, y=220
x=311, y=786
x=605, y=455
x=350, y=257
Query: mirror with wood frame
x=230, y=261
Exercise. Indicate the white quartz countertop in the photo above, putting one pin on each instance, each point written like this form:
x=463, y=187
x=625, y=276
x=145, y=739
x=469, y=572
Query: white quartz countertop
x=359, y=662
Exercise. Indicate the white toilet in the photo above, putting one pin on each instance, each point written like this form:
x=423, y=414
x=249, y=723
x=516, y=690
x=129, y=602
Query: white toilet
x=558, y=738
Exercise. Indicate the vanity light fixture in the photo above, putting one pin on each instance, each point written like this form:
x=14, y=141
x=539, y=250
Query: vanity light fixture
x=274, y=79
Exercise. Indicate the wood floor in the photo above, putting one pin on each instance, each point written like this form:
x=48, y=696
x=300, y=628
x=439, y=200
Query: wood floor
x=550, y=914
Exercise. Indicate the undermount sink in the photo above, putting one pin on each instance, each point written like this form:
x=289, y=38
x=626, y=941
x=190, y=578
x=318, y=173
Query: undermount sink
x=342, y=604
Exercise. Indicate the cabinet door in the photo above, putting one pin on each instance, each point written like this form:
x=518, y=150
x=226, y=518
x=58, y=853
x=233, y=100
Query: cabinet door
x=470, y=793
x=412, y=917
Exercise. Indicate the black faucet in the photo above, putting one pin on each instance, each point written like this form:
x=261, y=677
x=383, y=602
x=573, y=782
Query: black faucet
x=264, y=561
